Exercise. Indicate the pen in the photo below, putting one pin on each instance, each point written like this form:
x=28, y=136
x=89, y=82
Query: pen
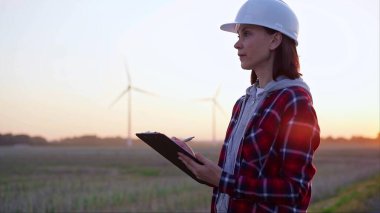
x=188, y=139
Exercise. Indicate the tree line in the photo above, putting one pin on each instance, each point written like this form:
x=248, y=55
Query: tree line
x=24, y=139
x=93, y=140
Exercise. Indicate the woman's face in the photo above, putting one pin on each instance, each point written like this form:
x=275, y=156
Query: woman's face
x=254, y=46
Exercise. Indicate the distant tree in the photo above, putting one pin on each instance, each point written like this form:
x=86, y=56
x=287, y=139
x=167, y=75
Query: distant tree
x=328, y=139
x=6, y=139
x=91, y=140
x=9, y=140
x=21, y=139
x=341, y=139
x=38, y=141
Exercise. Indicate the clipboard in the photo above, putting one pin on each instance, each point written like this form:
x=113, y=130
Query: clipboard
x=169, y=149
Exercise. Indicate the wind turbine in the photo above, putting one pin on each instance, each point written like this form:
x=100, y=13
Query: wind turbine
x=215, y=105
x=128, y=90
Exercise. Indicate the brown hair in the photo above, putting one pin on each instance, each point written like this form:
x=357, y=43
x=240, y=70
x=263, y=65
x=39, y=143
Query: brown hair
x=285, y=60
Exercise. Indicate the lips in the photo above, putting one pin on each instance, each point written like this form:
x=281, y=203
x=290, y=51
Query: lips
x=241, y=56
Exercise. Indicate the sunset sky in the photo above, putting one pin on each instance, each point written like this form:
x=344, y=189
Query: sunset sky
x=62, y=65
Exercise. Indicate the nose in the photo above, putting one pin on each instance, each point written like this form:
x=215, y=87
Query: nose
x=238, y=44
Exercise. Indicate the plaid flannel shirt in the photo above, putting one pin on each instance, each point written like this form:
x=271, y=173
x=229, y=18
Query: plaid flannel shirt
x=273, y=169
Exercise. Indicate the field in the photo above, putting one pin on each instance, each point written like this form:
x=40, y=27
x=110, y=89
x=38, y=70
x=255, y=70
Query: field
x=112, y=179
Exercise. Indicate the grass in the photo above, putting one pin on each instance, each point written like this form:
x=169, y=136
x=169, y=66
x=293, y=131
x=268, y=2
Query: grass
x=340, y=165
x=115, y=179
x=66, y=179
x=353, y=198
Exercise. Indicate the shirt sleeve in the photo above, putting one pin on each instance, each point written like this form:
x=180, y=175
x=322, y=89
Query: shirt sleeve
x=297, y=139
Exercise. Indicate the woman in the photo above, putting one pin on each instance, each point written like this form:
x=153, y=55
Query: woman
x=265, y=164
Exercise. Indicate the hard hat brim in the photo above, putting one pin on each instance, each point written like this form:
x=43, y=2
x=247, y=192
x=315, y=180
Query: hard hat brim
x=234, y=27
x=230, y=27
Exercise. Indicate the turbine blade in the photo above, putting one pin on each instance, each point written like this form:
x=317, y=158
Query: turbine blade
x=120, y=96
x=217, y=92
x=220, y=108
x=144, y=91
x=203, y=99
x=129, y=80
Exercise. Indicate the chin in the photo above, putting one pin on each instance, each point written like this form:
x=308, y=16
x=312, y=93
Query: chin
x=245, y=67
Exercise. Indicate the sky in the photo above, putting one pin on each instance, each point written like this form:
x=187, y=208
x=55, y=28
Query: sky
x=62, y=63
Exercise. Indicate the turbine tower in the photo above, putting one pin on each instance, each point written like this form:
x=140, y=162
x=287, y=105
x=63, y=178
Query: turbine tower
x=128, y=90
x=215, y=105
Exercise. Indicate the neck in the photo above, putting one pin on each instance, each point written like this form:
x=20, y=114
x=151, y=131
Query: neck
x=264, y=71
x=264, y=75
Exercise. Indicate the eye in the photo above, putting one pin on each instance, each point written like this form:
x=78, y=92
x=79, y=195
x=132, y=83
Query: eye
x=244, y=34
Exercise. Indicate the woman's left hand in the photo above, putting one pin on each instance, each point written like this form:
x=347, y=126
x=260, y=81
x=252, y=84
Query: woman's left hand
x=209, y=172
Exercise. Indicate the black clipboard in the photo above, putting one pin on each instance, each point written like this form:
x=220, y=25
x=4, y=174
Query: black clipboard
x=169, y=149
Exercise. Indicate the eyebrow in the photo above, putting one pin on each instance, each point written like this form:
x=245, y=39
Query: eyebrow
x=241, y=28
x=245, y=27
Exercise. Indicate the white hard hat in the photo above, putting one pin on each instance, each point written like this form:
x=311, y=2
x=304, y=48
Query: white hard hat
x=274, y=14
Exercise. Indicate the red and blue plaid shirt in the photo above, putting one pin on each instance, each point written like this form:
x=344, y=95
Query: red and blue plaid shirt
x=274, y=168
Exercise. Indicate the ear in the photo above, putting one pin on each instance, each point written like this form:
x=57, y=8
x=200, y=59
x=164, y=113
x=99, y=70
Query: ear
x=276, y=41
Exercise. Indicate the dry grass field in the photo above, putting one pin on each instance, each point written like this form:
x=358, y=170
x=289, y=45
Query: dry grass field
x=105, y=179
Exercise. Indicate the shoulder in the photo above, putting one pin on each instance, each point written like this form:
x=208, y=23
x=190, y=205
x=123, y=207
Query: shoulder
x=291, y=95
x=291, y=98
x=240, y=101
